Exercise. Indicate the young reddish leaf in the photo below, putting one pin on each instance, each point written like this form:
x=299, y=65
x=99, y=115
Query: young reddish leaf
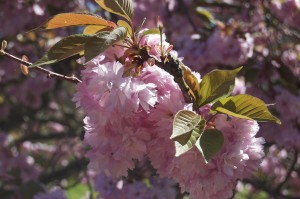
x=122, y=8
x=246, y=107
x=76, y=19
x=210, y=143
x=124, y=24
x=216, y=84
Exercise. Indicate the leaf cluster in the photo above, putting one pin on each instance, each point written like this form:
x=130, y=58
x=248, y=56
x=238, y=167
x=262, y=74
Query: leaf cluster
x=190, y=128
x=97, y=36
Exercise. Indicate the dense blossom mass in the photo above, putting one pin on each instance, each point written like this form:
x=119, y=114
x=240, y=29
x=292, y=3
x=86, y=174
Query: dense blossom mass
x=128, y=112
x=130, y=117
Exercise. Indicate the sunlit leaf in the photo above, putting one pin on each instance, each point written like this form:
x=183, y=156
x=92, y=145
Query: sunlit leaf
x=191, y=80
x=184, y=122
x=151, y=31
x=210, y=143
x=93, y=29
x=101, y=41
x=205, y=15
x=185, y=142
x=124, y=24
x=67, y=47
x=216, y=84
x=79, y=190
x=76, y=19
x=122, y=8
x=246, y=107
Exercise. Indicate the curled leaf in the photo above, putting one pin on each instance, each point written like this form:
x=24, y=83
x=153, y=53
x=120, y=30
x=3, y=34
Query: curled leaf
x=191, y=80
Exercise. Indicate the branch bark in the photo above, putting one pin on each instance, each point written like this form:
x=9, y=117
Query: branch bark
x=49, y=73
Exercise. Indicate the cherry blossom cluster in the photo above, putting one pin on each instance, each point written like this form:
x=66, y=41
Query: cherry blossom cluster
x=131, y=117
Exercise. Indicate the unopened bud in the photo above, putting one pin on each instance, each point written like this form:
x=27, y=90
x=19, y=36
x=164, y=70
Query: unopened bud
x=4, y=45
x=23, y=67
x=160, y=26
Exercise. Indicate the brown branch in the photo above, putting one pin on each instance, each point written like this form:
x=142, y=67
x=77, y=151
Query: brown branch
x=49, y=73
x=47, y=137
x=288, y=175
x=171, y=65
x=73, y=167
x=174, y=67
x=277, y=23
x=262, y=186
x=218, y=4
x=187, y=13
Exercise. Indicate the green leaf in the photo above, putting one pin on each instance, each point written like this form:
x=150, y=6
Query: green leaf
x=151, y=31
x=185, y=142
x=246, y=107
x=184, y=122
x=78, y=191
x=210, y=143
x=216, y=84
x=67, y=47
x=101, y=41
x=205, y=15
x=122, y=8
x=124, y=24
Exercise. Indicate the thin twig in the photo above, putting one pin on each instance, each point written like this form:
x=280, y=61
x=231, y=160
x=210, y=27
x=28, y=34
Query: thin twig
x=261, y=186
x=90, y=187
x=288, y=174
x=49, y=73
x=218, y=5
x=61, y=173
x=186, y=12
x=174, y=67
x=277, y=23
